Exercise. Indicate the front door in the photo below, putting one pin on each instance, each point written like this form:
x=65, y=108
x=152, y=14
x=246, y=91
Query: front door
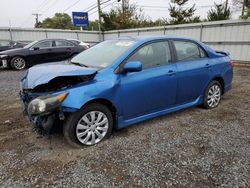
x=152, y=89
x=42, y=52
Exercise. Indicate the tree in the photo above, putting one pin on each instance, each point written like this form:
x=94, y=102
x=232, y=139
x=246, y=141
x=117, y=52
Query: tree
x=129, y=16
x=122, y=17
x=180, y=14
x=246, y=14
x=219, y=12
x=59, y=21
x=244, y=5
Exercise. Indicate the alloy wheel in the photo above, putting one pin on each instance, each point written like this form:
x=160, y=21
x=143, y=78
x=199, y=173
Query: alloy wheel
x=92, y=127
x=19, y=63
x=214, y=96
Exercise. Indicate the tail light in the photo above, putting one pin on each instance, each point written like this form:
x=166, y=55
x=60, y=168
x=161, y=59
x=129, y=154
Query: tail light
x=232, y=63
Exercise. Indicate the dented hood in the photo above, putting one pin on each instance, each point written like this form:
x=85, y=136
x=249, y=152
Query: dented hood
x=42, y=74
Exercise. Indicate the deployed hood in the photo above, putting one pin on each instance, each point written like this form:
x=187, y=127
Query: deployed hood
x=44, y=73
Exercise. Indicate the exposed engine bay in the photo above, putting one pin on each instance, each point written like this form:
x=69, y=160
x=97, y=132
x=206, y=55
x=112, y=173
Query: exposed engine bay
x=62, y=82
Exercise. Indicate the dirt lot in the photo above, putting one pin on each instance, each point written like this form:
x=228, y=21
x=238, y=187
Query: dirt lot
x=191, y=148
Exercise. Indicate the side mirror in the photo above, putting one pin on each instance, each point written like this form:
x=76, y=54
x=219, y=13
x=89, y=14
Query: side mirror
x=36, y=48
x=132, y=66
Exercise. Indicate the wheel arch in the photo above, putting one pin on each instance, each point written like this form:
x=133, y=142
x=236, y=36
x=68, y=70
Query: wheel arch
x=106, y=103
x=22, y=56
x=221, y=81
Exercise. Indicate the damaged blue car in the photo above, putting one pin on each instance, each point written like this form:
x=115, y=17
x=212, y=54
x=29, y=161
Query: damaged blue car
x=124, y=81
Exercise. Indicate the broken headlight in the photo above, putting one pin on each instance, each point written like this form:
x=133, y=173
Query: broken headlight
x=45, y=104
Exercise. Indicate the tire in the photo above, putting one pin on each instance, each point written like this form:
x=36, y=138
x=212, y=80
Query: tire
x=78, y=132
x=18, y=63
x=212, y=95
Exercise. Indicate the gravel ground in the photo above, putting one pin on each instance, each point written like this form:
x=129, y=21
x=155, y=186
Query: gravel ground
x=190, y=148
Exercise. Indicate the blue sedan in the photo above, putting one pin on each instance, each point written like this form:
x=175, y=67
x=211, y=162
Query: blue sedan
x=121, y=82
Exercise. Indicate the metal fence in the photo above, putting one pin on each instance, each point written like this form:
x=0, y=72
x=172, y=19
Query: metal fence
x=232, y=36
x=21, y=34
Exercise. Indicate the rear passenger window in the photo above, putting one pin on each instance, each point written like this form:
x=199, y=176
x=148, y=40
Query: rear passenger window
x=187, y=51
x=62, y=43
x=151, y=55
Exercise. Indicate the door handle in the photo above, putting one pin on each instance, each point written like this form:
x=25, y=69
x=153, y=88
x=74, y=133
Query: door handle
x=171, y=72
x=68, y=48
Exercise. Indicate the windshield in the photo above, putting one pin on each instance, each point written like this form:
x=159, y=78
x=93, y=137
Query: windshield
x=30, y=44
x=103, y=54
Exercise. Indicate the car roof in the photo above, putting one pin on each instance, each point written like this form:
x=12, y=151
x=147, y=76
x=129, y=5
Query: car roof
x=52, y=39
x=154, y=37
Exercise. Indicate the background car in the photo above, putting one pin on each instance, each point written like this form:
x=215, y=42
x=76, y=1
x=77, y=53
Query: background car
x=9, y=44
x=43, y=51
x=118, y=83
x=87, y=45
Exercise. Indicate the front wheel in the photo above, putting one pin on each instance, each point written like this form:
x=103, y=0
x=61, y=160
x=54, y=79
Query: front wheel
x=89, y=125
x=18, y=63
x=212, y=95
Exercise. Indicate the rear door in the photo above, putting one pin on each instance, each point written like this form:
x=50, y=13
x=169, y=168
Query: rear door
x=194, y=70
x=63, y=50
x=152, y=89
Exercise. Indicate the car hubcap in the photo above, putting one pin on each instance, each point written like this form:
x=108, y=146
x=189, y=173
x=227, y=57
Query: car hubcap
x=214, y=95
x=92, y=127
x=19, y=63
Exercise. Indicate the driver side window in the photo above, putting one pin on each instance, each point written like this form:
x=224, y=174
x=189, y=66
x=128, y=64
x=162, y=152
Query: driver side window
x=152, y=55
x=45, y=44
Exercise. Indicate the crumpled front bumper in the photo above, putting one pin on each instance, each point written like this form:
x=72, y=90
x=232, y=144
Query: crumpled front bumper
x=3, y=61
x=44, y=121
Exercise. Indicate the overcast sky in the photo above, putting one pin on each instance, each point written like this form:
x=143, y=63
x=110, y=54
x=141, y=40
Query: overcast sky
x=18, y=13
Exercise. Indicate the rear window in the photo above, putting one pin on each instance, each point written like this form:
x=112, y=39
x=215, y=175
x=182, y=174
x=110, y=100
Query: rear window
x=63, y=43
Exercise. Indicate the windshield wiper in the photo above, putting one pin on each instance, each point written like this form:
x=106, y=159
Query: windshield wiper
x=79, y=64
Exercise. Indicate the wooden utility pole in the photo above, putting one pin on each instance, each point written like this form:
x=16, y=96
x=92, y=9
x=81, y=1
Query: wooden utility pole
x=99, y=14
x=37, y=17
x=99, y=19
x=226, y=5
x=123, y=7
x=243, y=8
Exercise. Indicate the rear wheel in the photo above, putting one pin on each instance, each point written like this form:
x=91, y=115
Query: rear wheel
x=212, y=95
x=18, y=63
x=88, y=126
